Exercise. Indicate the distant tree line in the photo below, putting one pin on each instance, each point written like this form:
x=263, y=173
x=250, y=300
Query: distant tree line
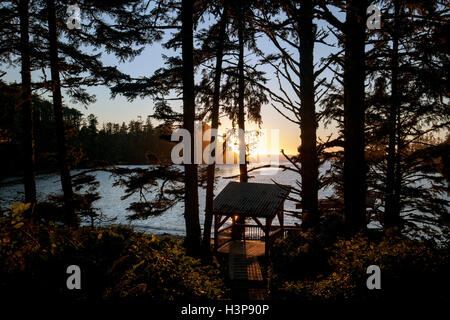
x=137, y=142
x=89, y=144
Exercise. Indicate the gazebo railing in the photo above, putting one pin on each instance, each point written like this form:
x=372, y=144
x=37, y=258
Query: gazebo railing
x=255, y=232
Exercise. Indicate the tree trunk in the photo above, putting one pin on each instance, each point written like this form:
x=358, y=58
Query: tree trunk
x=214, y=125
x=308, y=151
x=243, y=177
x=66, y=180
x=354, y=110
x=27, y=106
x=398, y=170
x=191, y=213
x=392, y=214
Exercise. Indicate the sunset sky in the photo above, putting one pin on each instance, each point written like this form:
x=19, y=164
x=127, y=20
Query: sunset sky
x=120, y=110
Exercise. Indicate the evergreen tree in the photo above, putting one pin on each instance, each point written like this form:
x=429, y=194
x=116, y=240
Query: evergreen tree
x=27, y=105
x=239, y=16
x=243, y=92
x=219, y=45
x=178, y=76
x=352, y=36
x=191, y=214
x=66, y=180
x=354, y=113
x=295, y=37
x=408, y=117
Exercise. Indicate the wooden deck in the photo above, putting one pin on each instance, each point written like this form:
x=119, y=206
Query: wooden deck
x=249, y=248
x=244, y=269
x=245, y=274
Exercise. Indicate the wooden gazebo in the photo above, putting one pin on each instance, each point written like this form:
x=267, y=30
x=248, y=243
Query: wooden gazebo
x=251, y=201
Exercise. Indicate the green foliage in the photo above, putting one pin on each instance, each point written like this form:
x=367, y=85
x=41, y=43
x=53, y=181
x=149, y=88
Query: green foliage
x=408, y=269
x=159, y=269
x=116, y=263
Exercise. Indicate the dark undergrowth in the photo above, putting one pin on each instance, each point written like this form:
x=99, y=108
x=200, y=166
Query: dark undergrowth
x=116, y=263
x=324, y=266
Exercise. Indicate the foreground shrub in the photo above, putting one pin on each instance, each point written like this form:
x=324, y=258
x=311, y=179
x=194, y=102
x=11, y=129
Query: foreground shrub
x=117, y=263
x=410, y=270
x=158, y=268
x=304, y=255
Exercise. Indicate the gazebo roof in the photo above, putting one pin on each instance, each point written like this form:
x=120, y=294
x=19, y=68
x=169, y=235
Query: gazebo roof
x=261, y=200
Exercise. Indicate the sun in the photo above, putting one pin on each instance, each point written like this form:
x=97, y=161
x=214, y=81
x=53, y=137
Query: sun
x=235, y=144
x=256, y=144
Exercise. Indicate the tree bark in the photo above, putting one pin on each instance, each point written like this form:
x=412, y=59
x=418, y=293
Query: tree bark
x=308, y=125
x=243, y=176
x=214, y=125
x=66, y=180
x=191, y=213
x=27, y=106
x=354, y=111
